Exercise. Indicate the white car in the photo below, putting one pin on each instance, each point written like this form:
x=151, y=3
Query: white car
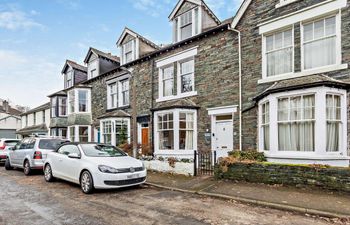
x=5, y=144
x=94, y=166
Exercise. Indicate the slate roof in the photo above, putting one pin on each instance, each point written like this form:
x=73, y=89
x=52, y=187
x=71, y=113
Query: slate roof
x=101, y=54
x=59, y=93
x=117, y=113
x=33, y=129
x=37, y=109
x=75, y=65
x=133, y=33
x=11, y=111
x=302, y=82
x=178, y=103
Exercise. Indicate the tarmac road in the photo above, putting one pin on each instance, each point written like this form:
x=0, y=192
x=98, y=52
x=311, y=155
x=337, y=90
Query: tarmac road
x=30, y=200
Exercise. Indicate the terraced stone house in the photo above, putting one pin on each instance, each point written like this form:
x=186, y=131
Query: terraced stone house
x=295, y=78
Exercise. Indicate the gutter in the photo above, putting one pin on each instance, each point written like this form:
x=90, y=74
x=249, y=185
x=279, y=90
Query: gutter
x=240, y=105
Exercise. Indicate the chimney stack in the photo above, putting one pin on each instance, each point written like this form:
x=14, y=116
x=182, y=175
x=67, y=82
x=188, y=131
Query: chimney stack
x=5, y=106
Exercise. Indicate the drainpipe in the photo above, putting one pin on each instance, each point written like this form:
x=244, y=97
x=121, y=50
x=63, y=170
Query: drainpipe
x=240, y=84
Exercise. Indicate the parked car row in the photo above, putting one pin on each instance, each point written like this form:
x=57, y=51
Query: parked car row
x=91, y=165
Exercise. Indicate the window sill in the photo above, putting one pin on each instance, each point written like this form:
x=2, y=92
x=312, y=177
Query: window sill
x=169, y=98
x=306, y=155
x=118, y=108
x=281, y=4
x=303, y=73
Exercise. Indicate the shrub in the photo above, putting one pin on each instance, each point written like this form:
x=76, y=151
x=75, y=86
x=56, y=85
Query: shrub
x=248, y=156
x=172, y=161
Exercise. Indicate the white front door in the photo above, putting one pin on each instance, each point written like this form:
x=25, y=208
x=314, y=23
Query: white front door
x=223, y=137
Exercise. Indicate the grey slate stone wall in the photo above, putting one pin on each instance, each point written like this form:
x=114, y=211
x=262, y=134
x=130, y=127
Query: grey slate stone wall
x=264, y=10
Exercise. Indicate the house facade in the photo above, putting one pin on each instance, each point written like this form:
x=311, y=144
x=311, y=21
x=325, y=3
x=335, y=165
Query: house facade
x=10, y=120
x=295, y=100
x=35, y=121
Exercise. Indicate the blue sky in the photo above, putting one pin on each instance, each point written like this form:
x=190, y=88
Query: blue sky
x=37, y=36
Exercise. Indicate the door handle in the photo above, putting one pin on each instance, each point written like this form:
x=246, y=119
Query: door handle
x=60, y=160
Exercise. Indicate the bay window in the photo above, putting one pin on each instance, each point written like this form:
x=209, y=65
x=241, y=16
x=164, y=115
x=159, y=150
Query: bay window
x=166, y=131
x=320, y=43
x=175, y=130
x=54, y=107
x=115, y=131
x=72, y=134
x=296, y=123
x=78, y=101
x=78, y=133
x=62, y=106
x=83, y=134
x=279, y=53
x=333, y=122
x=265, y=125
x=118, y=94
x=306, y=123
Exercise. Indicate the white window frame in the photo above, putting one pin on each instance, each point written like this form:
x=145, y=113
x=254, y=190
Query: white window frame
x=60, y=113
x=113, y=131
x=177, y=24
x=135, y=42
x=121, y=99
x=264, y=53
x=168, y=61
x=179, y=75
x=266, y=124
x=176, y=151
x=320, y=125
x=54, y=107
x=76, y=131
x=319, y=10
x=69, y=82
x=76, y=100
x=119, y=95
x=338, y=56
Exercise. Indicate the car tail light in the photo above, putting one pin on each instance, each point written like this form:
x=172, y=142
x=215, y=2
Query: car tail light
x=2, y=147
x=37, y=155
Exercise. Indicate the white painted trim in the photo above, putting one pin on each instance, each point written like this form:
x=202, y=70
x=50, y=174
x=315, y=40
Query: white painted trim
x=125, y=32
x=222, y=110
x=307, y=13
x=240, y=13
x=76, y=132
x=177, y=57
x=320, y=125
x=176, y=150
x=113, y=121
x=174, y=97
x=284, y=3
x=304, y=73
x=179, y=4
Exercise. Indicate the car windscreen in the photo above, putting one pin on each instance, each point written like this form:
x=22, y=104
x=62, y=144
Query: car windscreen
x=50, y=144
x=95, y=150
x=11, y=143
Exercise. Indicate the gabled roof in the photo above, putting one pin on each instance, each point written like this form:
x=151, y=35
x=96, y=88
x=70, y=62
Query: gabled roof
x=302, y=82
x=136, y=35
x=197, y=2
x=37, y=109
x=240, y=12
x=74, y=65
x=10, y=111
x=101, y=54
x=6, y=117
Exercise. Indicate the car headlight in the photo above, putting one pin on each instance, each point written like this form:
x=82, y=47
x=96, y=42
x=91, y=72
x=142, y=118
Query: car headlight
x=107, y=169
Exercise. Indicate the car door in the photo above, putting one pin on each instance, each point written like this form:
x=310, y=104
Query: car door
x=71, y=167
x=17, y=152
x=56, y=159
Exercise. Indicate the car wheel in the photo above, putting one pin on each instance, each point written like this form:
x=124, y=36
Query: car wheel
x=48, y=173
x=86, y=182
x=27, y=169
x=8, y=164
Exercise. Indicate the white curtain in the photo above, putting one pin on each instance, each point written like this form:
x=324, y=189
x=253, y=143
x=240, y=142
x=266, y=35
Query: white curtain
x=320, y=53
x=333, y=122
x=189, y=131
x=332, y=136
x=280, y=62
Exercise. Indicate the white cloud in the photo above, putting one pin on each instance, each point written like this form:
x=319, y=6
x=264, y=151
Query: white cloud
x=151, y=7
x=12, y=18
x=27, y=79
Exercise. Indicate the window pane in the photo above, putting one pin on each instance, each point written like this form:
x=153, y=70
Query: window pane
x=278, y=40
x=288, y=39
x=330, y=26
x=83, y=134
x=318, y=29
x=82, y=100
x=269, y=43
x=308, y=32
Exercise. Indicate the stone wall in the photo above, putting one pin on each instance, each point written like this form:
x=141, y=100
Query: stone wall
x=258, y=12
x=335, y=178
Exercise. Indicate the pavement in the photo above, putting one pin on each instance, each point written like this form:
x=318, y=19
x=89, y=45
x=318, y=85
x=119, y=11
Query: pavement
x=308, y=200
x=31, y=200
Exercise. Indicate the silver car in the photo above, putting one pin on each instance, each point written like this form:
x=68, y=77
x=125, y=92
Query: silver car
x=31, y=153
x=5, y=144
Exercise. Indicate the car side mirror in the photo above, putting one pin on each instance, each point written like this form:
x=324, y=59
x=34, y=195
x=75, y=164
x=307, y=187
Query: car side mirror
x=74, y=156
x=11, y=148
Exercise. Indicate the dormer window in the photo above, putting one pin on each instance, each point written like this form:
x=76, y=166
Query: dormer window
x=129, y=51
x=69, y=79
x=187, y=25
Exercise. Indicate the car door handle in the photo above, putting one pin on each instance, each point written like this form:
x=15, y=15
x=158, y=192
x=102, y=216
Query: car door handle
x=60, y=160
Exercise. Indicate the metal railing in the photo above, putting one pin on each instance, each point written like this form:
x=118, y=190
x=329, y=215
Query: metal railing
x=204, y=163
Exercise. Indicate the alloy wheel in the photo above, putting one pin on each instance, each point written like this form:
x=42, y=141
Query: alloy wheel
x=86, y=182
x=26, y=168
x=48, y=173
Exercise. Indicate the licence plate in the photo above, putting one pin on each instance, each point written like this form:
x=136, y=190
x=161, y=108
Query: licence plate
x=132, y=176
